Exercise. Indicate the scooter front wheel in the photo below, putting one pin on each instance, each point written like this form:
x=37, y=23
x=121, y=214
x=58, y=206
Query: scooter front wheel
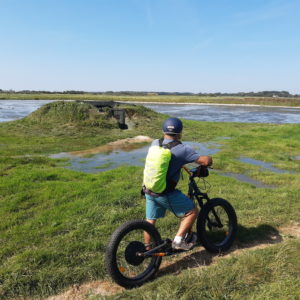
x=217, y=225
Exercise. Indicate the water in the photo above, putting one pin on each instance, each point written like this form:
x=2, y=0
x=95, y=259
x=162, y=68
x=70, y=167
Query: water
x=17, y=109
x=263, y=165
x=247, y=179
x=117, y=157
x=224, y=113
x=135, y=156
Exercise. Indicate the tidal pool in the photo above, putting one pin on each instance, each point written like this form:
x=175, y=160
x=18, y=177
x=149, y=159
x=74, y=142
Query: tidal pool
x=247, y=179
x=263, y=165
x=134, y=155
x=117, y=157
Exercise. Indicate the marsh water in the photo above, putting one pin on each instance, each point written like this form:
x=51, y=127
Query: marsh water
x=16, y=109
x=230, y=113
x=132, y=156
x=263, y=165
x=11, y=110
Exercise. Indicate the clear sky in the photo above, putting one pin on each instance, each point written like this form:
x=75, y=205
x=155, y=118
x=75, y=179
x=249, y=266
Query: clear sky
x=150, y=45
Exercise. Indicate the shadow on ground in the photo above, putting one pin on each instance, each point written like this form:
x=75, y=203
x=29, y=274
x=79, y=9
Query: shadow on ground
x=246, y=238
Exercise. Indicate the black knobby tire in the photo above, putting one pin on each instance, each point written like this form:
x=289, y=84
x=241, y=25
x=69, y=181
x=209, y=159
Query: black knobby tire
x=122, y=264
x=216, y=238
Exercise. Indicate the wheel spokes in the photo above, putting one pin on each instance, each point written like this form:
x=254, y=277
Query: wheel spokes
x=217, y=225
x=129, y=263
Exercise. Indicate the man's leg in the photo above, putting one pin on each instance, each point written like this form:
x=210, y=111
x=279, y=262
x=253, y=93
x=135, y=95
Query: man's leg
x=147, y=237
x=187, y=222
x=154, y=210
x=183, y=207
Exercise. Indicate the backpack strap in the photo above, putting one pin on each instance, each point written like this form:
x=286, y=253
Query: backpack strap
x=160, y=142
x=169, y=145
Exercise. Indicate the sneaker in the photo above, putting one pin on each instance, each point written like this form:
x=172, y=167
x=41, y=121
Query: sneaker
x=191, y=237
x=183, y=245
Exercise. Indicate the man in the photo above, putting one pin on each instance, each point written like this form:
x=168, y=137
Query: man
x=171, y=198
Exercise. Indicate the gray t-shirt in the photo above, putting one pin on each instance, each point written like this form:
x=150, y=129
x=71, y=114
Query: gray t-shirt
x=181, y=155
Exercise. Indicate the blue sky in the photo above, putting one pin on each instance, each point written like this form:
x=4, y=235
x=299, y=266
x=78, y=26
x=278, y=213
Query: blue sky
x=150, y=45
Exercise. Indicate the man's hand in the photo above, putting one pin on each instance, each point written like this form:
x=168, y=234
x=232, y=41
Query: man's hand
x=204, y=161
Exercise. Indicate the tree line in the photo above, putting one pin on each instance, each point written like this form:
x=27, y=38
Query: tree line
x=282, y=94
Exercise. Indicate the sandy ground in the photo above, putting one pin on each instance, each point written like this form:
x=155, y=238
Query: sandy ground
x=124, y=144
x=81, y=292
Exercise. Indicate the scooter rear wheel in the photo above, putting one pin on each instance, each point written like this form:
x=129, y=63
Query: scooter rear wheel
x=123, y=262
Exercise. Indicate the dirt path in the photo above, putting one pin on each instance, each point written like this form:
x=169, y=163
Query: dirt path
x=175, y=265
x=81, y=292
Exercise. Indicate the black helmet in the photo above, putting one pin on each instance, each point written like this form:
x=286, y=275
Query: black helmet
x=172, y=126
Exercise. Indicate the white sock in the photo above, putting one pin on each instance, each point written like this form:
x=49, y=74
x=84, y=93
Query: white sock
x=178, y=239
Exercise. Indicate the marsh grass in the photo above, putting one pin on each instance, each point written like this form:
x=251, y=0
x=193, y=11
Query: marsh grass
x=104, y=166
x=55, y=223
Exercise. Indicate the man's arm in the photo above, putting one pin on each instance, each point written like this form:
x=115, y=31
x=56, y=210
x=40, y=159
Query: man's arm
x=204, y=161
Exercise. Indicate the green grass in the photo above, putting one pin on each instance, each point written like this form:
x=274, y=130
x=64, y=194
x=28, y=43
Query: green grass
x=104, y=166
x=271, y=273
x=157, y=98
x=55, y=223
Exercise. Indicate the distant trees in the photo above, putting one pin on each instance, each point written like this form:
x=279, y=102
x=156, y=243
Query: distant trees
x=281, y=94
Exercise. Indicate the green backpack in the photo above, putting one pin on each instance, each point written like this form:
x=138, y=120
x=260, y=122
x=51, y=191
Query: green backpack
x=157, y=165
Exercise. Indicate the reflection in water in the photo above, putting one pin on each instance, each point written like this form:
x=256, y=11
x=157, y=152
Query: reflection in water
x=134, y=157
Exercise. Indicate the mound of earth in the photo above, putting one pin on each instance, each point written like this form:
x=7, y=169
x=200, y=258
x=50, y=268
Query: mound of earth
x=83, y=114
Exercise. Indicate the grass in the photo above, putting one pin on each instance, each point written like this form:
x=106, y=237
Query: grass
x=157, y=98
x=271, y=273
x=104, y=166
x=55, y=222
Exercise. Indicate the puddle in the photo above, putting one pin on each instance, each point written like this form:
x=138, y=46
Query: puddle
x=120, y=153
x=263, y=165
x=245, y=178
x=297, y=157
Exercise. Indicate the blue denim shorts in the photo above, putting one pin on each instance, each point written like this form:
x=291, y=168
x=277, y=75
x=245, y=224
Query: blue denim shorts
x=176, y=202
